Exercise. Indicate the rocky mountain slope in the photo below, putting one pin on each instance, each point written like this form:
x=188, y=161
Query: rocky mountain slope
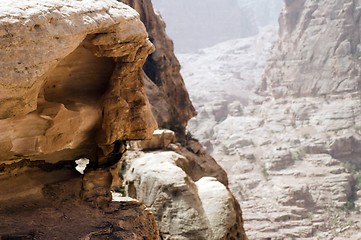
x=73, y=85
x=299, y=68
x=293, y=152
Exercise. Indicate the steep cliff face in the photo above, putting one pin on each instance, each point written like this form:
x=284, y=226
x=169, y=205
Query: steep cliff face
x=166, y=196
x=318, y=50
x=165, y=87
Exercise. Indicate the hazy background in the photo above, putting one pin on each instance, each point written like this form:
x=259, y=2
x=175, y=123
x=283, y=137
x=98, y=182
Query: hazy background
x=202, y=23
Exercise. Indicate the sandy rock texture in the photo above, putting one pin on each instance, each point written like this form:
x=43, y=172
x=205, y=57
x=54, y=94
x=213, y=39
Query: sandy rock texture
x=43, y=201
x=71, y=87
x=185, y=207
x=71, y=81
x=318, y=49
x=165, y=88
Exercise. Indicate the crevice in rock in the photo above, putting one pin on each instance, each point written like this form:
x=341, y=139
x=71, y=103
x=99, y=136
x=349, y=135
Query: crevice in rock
x=41, y=164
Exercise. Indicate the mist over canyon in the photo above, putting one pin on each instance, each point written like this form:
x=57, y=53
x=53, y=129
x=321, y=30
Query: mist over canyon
x=199, y=24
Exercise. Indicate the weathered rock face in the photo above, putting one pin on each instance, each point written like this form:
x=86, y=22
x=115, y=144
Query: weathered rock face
x=52, y=107
x=182, y=184
x=164, y=84
x=318, y=50
x=185, y=207
x=71, y=86
x=42, y=201
x=293, y=157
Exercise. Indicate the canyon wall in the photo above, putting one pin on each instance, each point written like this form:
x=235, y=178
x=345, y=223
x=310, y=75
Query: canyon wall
x=318, y=51
x=77, y=84
x=292, y=153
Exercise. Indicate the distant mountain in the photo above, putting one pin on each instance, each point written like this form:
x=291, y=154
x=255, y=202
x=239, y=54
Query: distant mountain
x=199, y=24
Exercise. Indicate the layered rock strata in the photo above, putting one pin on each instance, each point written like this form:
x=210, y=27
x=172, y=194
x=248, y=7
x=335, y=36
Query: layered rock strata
x=318, y=51
x=42, y=201
x=293, y=156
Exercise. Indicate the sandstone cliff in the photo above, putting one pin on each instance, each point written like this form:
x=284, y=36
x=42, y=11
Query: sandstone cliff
x=164, y=84
x=73, y=86
x=52, y=107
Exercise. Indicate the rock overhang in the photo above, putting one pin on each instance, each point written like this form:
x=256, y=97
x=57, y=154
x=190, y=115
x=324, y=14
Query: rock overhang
x=71, y=79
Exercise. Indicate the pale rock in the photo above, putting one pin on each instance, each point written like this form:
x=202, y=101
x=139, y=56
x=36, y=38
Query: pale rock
x=309, y=59
x=161, y=139
x=185, y=209
x=170, y=194
x=304, y=126
x=217, y=204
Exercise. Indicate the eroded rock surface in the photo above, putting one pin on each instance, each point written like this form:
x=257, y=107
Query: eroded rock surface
x=185, y=208
x=72, y=86
x=164, y=84
x=42, y=201
x=293, y=155
x=52, y=107
x=318, y=50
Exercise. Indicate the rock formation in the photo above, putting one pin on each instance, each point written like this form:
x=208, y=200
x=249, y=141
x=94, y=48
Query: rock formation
x=41, y=201
x=299, y=68
x=293, y=154
x=164, y=84
x=72, y=86
x=187, y=192
x=52, y=108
